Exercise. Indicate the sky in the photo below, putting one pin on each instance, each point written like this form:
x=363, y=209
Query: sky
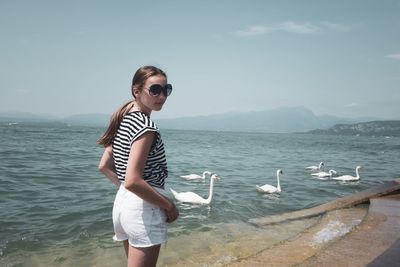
x=340, y=58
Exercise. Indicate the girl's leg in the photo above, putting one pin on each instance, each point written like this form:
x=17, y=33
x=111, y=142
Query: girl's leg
x=126, y=247
x=143, y=257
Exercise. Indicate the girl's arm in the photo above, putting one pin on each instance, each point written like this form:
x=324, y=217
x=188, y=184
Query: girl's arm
x=107, y=167
x=134, y=176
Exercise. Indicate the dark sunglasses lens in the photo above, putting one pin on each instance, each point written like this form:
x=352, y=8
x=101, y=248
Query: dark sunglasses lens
x=168, y=90
x=155, y=89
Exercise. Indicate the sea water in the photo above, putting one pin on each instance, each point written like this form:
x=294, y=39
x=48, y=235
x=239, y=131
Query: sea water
x=53, y=200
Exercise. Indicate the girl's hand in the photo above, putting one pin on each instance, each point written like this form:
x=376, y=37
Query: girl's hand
x=172, y=213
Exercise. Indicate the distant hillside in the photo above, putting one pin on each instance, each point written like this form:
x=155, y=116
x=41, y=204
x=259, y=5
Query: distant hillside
x=81, y=120
x=88, y=120
x=25, y=117
x=371, y=128
x=280, y=120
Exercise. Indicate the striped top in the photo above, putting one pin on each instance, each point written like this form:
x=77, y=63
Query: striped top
x=132, y=126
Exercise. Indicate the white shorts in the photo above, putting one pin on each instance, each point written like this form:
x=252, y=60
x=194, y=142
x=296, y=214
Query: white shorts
x=141, y=223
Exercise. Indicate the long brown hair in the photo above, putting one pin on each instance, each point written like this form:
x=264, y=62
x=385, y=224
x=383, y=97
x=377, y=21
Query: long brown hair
x=138, y=81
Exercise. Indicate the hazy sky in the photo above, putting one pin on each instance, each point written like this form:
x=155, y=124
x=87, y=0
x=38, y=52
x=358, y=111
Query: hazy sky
x=75, y=57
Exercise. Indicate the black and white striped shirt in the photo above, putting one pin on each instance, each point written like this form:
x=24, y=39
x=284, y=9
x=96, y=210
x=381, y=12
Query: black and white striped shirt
x=132, y=126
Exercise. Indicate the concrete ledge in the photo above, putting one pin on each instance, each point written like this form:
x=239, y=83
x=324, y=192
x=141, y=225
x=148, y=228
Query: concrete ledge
x=344, y=202
x=390, y=257
x=374, y=242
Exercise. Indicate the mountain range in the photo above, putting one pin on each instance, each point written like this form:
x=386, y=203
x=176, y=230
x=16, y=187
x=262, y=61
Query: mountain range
x=279, y=120
x=370, y=128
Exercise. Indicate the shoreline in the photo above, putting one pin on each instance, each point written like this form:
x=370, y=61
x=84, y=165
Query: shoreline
x=316, y=236
x=374, y=242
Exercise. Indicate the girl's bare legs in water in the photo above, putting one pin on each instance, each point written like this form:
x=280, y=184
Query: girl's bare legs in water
x=141, y=257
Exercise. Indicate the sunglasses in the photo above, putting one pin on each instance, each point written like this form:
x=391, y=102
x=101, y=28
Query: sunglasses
x=156, y=89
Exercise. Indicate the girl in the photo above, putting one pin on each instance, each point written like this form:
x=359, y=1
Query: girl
x=134, y=159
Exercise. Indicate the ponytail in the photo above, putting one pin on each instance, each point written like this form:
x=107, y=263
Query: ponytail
x=115, y=121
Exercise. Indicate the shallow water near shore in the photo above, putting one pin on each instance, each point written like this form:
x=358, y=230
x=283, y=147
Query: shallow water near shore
x=224, y=244
x=56, y=206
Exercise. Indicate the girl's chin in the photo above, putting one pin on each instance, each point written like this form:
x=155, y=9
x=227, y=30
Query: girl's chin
x=157, y=107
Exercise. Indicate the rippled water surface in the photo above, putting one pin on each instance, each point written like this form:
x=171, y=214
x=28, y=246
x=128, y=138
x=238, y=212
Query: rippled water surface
x=51, y=194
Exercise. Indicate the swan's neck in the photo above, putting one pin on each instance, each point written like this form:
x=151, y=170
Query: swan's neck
x=208, y=200
x=278, y=182
x=204, y=174
x=358, y=175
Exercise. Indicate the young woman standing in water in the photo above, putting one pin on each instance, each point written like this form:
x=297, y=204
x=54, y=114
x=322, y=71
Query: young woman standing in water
x=134, y=159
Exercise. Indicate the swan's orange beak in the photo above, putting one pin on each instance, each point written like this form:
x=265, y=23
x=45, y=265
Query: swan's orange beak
x=216, y=177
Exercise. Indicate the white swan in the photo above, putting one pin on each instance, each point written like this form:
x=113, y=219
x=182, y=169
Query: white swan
x=316, y=168
x=347, y=178
x=324, y=174
x=196, y=176
x=269, y=188
x=190, y=197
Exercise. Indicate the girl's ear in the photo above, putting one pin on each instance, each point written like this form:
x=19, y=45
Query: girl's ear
x=135, y=91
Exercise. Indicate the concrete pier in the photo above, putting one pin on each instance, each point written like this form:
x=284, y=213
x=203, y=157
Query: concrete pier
x=368, y=239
